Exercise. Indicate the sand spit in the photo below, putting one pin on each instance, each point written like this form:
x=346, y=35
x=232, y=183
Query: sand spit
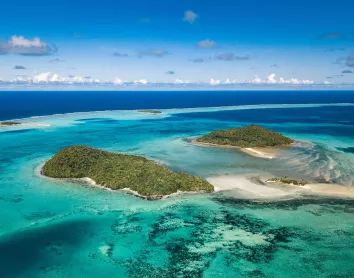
x=250, y=189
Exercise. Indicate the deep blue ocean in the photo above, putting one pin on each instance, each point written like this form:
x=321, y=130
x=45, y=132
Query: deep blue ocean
x=31, y=103
x=247, y=228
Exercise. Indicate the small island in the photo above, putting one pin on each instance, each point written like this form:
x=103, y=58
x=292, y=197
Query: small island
x=252, y=136
x=9, y=123
x=287, y=180
x=150, y=111
x=121, y=171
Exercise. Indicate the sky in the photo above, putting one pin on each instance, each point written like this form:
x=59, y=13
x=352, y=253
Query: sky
x=177, y=42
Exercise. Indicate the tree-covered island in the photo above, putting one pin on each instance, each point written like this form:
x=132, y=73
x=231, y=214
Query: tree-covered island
x=288, y=181
x=252, y=136
x=121, y=171
x=150, y=111
x=9, y=123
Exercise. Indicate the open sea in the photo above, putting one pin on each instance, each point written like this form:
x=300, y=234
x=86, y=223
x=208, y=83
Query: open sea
x=51, y=228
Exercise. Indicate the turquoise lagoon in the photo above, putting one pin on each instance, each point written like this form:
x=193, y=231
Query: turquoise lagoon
x=51, y=228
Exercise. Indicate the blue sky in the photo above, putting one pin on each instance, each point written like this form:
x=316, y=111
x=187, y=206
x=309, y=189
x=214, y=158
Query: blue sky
x=164, y=41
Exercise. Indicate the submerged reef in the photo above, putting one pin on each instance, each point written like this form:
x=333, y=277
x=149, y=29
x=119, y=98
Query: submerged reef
x=252, y=136
x=121, y=171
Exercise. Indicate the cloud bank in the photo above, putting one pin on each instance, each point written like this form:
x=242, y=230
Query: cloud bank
x=49, y=78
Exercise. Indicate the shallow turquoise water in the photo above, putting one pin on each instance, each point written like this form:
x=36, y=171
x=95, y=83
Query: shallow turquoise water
x=58, y=229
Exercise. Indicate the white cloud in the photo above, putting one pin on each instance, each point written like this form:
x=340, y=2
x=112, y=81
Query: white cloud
x=22, y=46
x=257, y=80
x=231, y=81
x=79, y=79
x=42, y=77
x=118, y=81
x=190, y=16
x=271, y=79
x=214, y=82
x=21, y=41
x=179, y=81
x=48, y=77
x=206, y=44
x=22, y=79
x=141, y=82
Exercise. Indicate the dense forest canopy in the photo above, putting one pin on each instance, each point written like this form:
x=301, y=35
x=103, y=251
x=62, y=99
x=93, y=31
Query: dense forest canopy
x=118, y=171
x=251, y=136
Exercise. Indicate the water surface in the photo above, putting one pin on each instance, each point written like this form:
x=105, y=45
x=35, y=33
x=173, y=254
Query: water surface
x=52, y=228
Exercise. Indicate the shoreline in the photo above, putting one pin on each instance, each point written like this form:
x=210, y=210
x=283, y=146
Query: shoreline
x=91, y=182
x=124, y=190
x=266, y=152
x=136, y=194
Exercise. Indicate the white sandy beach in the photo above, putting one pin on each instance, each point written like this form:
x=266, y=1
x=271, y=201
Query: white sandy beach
x=335, y=190
x=243, y=184
x=263, y=153
x=246, y=186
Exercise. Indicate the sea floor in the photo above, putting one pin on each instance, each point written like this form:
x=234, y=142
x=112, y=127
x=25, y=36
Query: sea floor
x=51, y=228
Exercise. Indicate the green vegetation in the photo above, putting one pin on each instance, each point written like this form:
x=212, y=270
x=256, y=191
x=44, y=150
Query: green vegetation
x=288, y=181
x=118, y=171
x=150, y=111
x=9, y=123
x=252, y=136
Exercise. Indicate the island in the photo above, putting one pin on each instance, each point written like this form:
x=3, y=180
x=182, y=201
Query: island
x=9, y=123
x=119, y=171
x=246, y=139
x=150, y=111
x=287, y=180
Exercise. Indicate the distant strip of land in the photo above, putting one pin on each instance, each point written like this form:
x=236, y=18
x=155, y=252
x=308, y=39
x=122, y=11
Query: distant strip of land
x=150, y=111
x=9, y=123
